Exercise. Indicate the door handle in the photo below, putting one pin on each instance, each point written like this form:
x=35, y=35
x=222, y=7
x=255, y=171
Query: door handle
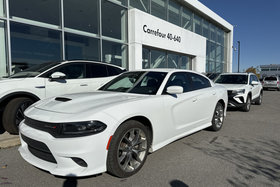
x=194, y=100
x=84, y=85
x=214, y=93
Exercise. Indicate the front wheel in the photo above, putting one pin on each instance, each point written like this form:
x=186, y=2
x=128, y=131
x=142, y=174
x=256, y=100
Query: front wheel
x=247, y=105
x=13, y=113
x=128, y=149
x=218, y=117
x=259, y=100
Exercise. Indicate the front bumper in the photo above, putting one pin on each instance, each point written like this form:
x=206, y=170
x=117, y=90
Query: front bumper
x=90, y=149
x=236, y=100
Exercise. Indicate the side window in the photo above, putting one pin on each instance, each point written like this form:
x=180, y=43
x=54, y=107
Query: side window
x=256, y=78
x=251, y=79
x=112, y=71
x=198, y=81
x=96, y=70
x=71, y=70
x=179, y=79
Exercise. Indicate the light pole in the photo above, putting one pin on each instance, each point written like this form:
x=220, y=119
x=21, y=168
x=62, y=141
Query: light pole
x=238, y=55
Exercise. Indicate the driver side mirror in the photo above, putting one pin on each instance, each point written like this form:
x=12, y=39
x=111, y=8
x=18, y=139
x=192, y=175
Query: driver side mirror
x=255, y=83
x=57, y=76
x=173, y=90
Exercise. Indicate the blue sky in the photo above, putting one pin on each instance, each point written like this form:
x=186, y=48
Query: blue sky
x=257, y=28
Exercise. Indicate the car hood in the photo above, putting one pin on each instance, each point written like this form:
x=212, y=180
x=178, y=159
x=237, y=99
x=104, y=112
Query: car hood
x=234, y=86
x=84, y=102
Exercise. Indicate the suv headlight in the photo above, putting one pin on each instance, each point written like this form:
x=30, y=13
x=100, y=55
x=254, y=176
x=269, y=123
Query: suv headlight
x=84, y=128
x=240, y=91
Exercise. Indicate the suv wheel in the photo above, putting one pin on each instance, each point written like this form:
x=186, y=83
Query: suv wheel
x=13, y=113
x=259, y=100
x=247, y=106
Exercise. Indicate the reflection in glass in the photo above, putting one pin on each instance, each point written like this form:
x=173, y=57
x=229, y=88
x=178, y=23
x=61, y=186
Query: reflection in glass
x=32, y=45
x=114, y=53
x=197, y=24
x=2, y=8
x=145, y=58
x=114, y=21
x=185, y=62
x=46, y=11
x=3, y=64
x=81, y=15
x=158, y=59
x=174, y=13
x=140, y=4
x=120, y=2
x=213, y=32
x=81, y=47
x=158, y=8
x=173, y=61
x=187, y=19
x=205, y=29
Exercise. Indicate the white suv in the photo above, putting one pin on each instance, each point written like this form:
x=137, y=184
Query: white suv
x=45, y=80
x=243, y=89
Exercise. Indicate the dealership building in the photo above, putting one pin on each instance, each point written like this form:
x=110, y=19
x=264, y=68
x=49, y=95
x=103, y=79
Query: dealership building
x=134, y=34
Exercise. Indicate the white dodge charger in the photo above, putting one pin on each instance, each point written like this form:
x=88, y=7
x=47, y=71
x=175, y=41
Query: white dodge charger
x=113, y=129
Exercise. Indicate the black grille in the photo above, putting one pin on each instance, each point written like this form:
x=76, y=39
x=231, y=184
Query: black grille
x=39, y=149
x=229, y=92
x=51, y=128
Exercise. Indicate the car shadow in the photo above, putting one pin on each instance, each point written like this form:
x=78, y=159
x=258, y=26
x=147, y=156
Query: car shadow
x=252, y=158
x=177, y=183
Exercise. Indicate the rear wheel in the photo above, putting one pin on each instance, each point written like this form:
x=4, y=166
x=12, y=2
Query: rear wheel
x=247, y=106
x=13, y=113
x=128, y=149
x=218, y=117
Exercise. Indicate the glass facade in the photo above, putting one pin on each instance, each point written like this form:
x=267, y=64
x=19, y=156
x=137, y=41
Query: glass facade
x=153, y=58
x=55, y=30
x=82, y=16
x=3, y=61
x=31, y=45
x=2, y=8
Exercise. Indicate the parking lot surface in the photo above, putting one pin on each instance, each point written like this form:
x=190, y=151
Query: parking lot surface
x=244, y=153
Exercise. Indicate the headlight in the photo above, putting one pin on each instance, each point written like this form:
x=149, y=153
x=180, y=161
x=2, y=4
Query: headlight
x=82, y=128
x=240, y=91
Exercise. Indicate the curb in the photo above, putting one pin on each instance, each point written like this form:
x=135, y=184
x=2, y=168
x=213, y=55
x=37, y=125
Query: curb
x=7, y=140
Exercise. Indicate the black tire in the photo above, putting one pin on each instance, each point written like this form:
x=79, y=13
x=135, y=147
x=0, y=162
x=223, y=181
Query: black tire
x=13, y=113
x=259, y=100
x=127, y=153
x=247, y=106
x=218, y=117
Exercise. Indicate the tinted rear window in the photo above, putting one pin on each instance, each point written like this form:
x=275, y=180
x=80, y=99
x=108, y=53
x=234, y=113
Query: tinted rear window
x=270, y=79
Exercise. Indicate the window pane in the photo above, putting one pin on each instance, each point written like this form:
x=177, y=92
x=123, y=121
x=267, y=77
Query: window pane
x=46, y=11
x=114, y=21
x=199, y=82
x=141, y=5
x=219, y=67
x=197, y=24
x=211, y=67
x=114, y=70
x=185, y=62
x=205, y=29
x=81, y=47
x=158, y=8
x=32, y=45
x=174, y=13
x=73, y=70
x=3, y=60
x=145, y=58
x=213, y=32
x=2, y=8
x=212, y=51
x=120, y=2
x=187, y=19
x=219, y=53
x=173, y=61
x=96, y=70
x=114, y=53
x=81, y=15
x=158, y=59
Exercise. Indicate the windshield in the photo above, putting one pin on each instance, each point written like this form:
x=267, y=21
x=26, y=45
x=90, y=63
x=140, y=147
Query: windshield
x=34, y=70
x=139, y=82
x=232, y=79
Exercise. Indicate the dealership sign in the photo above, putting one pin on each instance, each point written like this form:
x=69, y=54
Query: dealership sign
x=158, y=33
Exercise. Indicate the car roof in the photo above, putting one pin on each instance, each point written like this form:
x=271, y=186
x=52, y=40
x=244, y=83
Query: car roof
x=90, y=61
x=167, y=70
x=237, y=74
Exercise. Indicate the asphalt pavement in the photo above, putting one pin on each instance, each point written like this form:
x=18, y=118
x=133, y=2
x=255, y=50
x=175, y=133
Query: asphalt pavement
x=244, y=153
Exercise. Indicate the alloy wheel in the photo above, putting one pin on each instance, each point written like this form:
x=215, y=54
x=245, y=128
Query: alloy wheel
x=219, y=116
x=132, y=149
